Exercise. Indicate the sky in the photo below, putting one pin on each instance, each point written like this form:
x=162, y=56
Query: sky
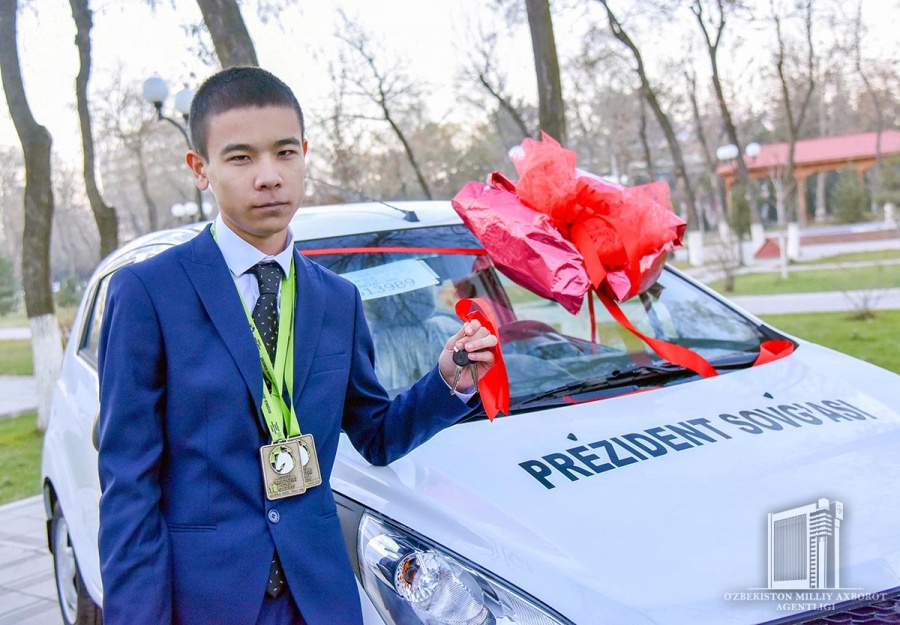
x=430, y=35
x=128, y=37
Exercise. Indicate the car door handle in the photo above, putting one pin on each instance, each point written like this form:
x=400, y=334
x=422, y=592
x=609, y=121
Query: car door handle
x=95, y=437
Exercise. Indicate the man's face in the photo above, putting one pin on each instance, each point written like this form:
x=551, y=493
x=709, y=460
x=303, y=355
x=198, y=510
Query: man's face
x=256, y=169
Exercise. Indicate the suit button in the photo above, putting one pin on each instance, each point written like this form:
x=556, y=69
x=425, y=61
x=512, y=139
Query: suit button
x=274, y=516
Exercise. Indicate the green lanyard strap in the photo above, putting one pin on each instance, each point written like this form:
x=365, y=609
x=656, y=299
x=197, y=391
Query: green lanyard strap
x=276, y=413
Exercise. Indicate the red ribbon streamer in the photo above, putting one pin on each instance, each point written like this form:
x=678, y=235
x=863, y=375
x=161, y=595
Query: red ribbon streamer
x=493, y=386
x=676, y=354
x=395, y=250
x=774, y=349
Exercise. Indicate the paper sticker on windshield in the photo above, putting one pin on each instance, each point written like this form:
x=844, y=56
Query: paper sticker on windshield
x=393, y=278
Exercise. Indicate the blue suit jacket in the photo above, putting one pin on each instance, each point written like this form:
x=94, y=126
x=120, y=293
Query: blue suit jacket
x=186, y=532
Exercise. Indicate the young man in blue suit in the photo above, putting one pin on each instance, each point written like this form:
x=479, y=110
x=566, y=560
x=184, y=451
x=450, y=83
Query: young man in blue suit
x=210, y=413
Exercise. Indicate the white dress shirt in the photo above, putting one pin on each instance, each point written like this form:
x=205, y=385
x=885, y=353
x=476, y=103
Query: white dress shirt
x=241, y=257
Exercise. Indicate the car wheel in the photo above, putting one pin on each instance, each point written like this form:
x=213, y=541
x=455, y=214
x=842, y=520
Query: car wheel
x=75, y=603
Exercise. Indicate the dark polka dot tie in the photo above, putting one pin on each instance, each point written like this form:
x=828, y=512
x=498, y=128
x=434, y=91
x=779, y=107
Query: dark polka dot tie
x=265, y=316
x=265, y=313
x=277, y=582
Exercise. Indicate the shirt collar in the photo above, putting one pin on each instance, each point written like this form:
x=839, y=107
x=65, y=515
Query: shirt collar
x=240, y=256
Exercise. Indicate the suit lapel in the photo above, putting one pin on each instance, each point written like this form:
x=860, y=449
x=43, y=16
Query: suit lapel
x=308, y=315
x=214, y=285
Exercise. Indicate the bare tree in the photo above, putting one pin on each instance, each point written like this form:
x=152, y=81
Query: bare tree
x=482, y=70
x=104, y=215
x=876, y=101
x=46, y=343
x=715, y=182
x=794, y=115
x=228, y=31
x=73, y=256
x=645, y=143
x=124, y=125
x=12, y=199
x=552, y=110
x=386, y=88
x=713, y=28
x=649, y=94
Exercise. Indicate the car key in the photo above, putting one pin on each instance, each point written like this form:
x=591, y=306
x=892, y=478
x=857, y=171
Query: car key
x=461, y=359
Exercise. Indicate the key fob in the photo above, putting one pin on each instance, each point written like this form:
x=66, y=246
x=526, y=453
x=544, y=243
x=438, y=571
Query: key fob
x=461, y=358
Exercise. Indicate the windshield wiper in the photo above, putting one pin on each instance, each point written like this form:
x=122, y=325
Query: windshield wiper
x=637, y=377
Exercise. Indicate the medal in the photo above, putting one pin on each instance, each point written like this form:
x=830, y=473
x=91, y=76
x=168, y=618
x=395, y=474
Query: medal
x=282, y=469
x=309, y=460
x=290, y=467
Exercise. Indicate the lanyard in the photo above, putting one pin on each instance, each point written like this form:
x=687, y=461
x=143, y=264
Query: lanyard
x=276, y=413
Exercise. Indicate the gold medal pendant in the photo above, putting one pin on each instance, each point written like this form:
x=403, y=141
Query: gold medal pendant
x=309, y=460
x=282, y=469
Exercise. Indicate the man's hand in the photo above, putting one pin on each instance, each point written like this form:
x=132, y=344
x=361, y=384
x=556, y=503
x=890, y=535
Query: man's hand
x=476, y=340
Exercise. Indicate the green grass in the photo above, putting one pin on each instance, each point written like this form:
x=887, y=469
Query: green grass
x=15, y=357
x=874, y=255
x=811, y=281
x=873, y=340
x=20, y=458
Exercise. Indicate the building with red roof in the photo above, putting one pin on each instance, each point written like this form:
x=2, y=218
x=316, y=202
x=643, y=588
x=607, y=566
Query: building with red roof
x=813, y=156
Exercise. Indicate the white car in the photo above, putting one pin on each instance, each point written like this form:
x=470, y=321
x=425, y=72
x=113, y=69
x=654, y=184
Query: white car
x=619, y=490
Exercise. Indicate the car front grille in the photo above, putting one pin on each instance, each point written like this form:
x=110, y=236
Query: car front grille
x=884, y=610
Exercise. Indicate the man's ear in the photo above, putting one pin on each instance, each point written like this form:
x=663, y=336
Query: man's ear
x=305, y=146
x=198, y=167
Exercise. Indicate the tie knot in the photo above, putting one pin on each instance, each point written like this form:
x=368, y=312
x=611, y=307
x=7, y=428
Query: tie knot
x=268, y=275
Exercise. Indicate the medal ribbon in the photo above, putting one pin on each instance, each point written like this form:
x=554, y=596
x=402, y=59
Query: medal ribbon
x=275, y=411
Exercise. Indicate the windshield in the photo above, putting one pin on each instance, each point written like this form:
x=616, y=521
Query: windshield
x=410, y=281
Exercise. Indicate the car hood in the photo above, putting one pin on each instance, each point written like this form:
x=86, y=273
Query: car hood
x=671, y=523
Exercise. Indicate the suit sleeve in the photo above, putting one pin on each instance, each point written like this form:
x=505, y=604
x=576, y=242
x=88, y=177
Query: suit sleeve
x=135, y=553
x=383, y=430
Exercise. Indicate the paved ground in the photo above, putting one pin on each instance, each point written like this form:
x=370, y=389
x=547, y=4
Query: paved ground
x=10, y=334
x=17, y=394
x=27, y=584
x=829, y=301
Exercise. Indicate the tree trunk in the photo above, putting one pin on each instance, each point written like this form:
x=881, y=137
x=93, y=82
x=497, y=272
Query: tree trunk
x=228, y=31
x=546, y=65
x=36, y=142
x=717, y=187
x=876, y=101
x=104, y=215
x=645, y=144
x=143, y=182
x=661, y=118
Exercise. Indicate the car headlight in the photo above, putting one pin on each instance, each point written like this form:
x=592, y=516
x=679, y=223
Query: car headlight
x=411, y=582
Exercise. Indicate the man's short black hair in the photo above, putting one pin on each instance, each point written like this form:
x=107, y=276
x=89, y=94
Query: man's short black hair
x=234, y=88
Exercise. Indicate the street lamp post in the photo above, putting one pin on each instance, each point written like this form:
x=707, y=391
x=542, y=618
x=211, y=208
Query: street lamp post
x=155, y=92
x=788, y=235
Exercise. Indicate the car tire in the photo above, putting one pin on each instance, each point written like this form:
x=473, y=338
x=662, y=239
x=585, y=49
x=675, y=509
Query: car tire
x=75, y=604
